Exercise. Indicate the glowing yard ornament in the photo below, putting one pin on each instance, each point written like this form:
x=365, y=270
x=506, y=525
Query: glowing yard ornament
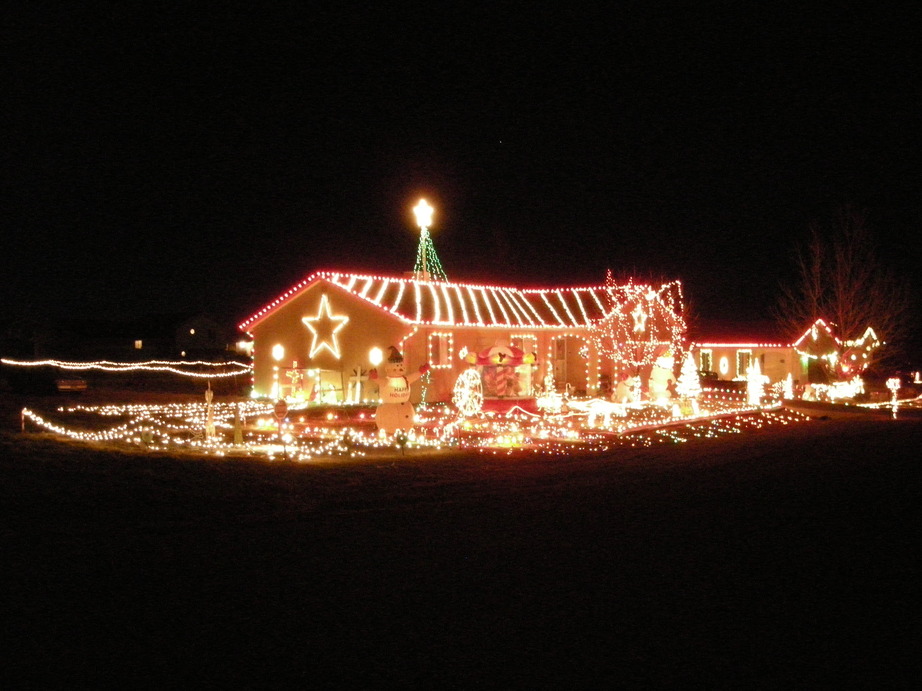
x=297, y=378
x=238, y=426
x=662, y=379
x=755, y=383
x=598, y=409
x=468, y=393
x=356, y=381
x=395, y=413
x=500, y=368
x=689, y=384
x=628, y=390
x=549, y=400
x=427, y=262
x=843, y=389
x=894, y=385
x=787, y=387
x=209, y=413
x=324, y=327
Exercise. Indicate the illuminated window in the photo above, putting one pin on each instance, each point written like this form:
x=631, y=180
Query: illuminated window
x=138, y=344
x=706, y=360
x=743, y=362
x=440, y=349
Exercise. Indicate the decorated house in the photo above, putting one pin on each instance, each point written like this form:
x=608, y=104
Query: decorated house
x=725, y=351
x=819, y=356
x=321, y=339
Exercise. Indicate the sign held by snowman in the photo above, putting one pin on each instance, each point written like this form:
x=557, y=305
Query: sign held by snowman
x=395, y=412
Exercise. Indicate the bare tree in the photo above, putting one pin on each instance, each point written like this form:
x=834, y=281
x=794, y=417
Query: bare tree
x=842, y=280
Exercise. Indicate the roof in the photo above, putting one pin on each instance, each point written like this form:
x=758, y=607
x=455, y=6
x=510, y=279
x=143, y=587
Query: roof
x=449, y=303
x=715, y=333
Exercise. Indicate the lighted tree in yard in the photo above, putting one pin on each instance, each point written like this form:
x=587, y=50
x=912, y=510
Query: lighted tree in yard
x=841, y=280
x=689, y=384
x=642, y=321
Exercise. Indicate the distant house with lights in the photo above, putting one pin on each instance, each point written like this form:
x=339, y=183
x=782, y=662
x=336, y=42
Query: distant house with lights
x=320, y=339
x=726, y=351
x=171, y=336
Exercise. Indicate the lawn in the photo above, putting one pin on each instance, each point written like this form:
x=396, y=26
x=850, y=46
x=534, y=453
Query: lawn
x=776, y=557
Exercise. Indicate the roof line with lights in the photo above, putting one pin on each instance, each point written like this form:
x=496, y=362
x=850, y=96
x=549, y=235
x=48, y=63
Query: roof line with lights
x=449, y=303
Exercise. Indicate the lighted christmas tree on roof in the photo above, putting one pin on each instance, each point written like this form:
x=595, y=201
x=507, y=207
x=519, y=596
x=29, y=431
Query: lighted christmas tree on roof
x=427, y=267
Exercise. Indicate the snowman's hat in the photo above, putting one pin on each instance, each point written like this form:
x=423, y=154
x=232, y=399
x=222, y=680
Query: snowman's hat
x=394, y=355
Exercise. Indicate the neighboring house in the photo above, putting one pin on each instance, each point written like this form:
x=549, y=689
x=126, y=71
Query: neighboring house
x=726, y=351
x=320, y=339
x=170, y=337
x=828, y=355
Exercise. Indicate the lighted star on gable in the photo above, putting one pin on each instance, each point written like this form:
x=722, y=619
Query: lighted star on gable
x=640, y=319
x=324, y=328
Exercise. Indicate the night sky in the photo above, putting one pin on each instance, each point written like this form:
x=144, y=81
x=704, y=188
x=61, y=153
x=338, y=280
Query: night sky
x=172, y=159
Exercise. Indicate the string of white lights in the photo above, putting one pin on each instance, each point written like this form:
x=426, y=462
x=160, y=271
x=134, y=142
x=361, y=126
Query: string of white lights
x=237, y=368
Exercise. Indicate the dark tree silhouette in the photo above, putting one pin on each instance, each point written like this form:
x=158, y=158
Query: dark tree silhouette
x=842, y=280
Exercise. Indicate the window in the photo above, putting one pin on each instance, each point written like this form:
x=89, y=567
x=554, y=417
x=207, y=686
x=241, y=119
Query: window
x=138, y=344
x=526, y=343
x=743, y=362
x=440, y=346
x=706, y=360
x=560, y=349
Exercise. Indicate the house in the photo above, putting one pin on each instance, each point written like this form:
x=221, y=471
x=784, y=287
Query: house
x=828, y=355
x=171, y=336
x=726, y=350
x=320, y=339
x=179, y=337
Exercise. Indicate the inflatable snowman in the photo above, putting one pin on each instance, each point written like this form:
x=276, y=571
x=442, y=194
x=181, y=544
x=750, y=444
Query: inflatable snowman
x=662, y=380
x=395, y=411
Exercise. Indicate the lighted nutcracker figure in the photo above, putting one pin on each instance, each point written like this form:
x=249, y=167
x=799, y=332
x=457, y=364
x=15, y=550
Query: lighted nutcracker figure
x=395, y=411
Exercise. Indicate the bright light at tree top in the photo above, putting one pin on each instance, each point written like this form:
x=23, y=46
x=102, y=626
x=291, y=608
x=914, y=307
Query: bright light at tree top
x=423, y=214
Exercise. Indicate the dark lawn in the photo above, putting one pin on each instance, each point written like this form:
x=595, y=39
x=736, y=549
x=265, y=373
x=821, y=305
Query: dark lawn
x=776, y=558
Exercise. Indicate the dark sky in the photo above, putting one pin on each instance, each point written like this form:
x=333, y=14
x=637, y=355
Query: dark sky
x=169, y=159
